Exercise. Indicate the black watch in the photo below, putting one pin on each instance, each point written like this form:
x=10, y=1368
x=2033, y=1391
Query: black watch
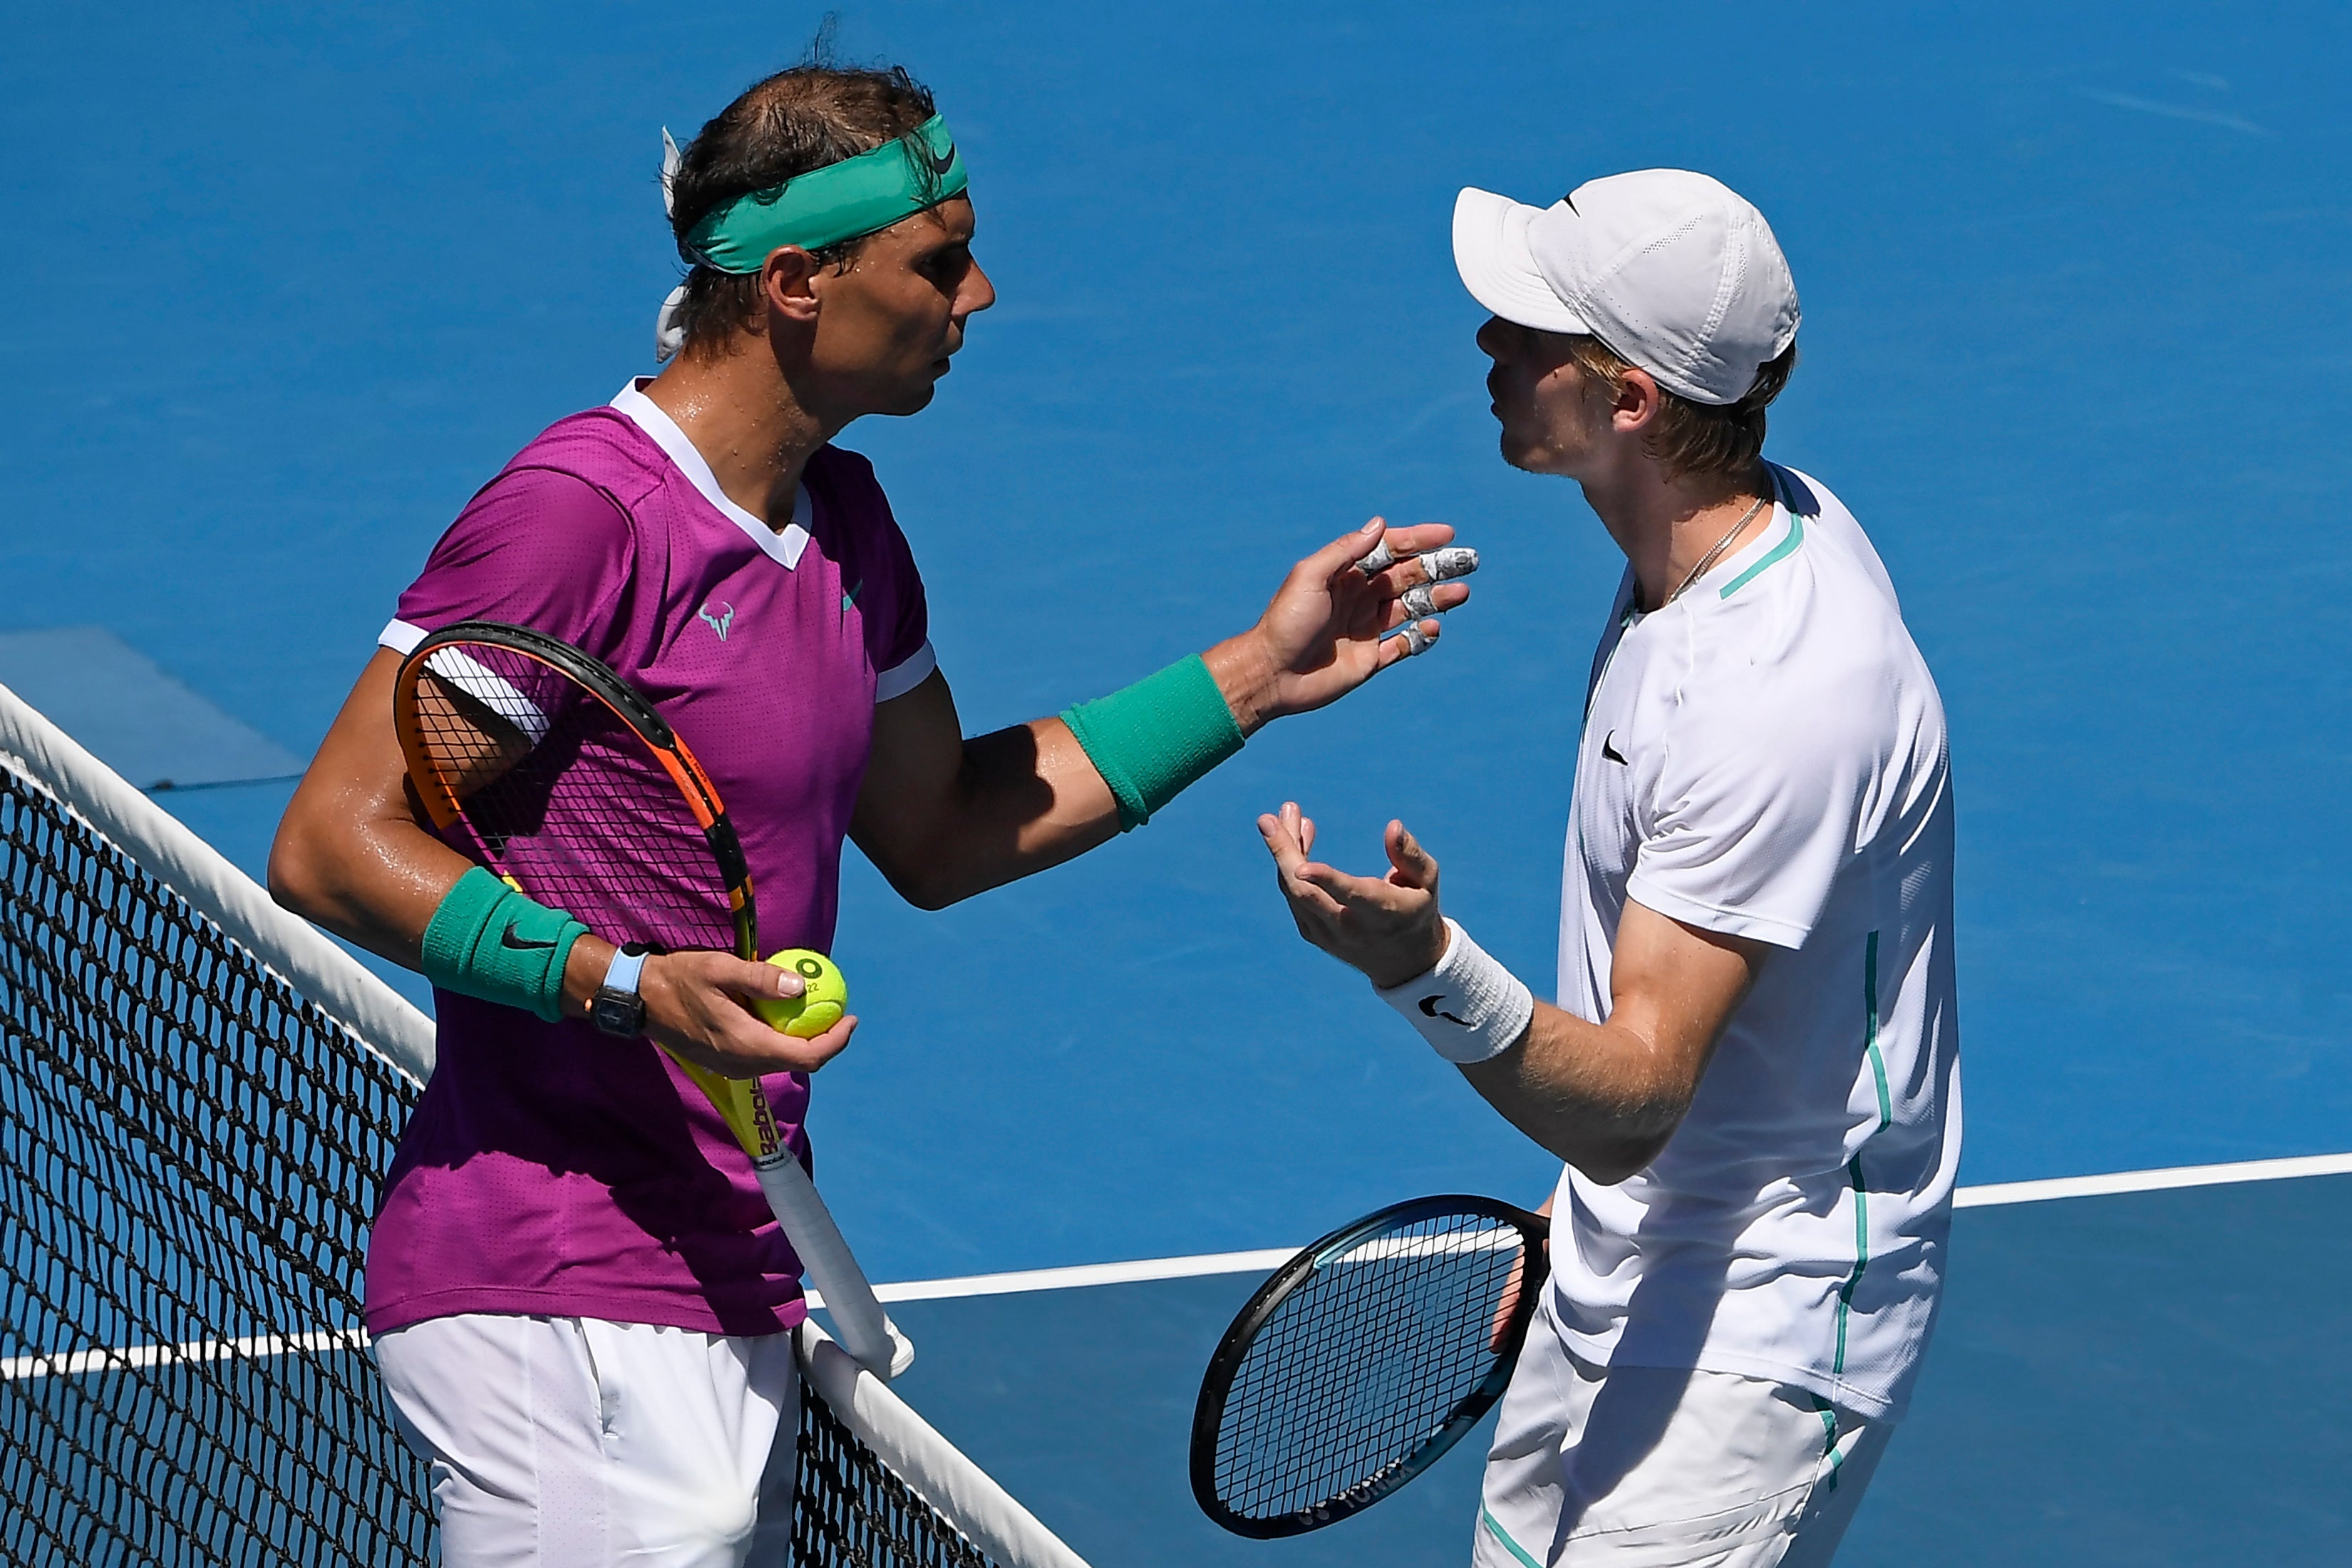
x=616, y=1008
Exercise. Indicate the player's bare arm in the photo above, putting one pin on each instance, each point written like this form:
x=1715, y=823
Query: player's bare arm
x=354, y=854
x=1606, y=1097
x=945, y=816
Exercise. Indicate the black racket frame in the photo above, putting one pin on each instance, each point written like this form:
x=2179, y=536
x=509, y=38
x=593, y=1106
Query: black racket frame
x=627, y=704
x=1217, y=1382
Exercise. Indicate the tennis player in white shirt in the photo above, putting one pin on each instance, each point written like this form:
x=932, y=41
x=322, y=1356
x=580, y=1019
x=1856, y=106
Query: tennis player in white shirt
x=1752, y=1071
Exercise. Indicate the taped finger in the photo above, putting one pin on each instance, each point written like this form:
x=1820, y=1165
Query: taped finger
x=1419, y=601
x=1378, y=561
x=1415, y=641
x=1449, y=561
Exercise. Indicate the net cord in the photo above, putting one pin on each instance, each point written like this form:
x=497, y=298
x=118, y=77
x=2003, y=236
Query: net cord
x=964, y=1494
x=376, y=1015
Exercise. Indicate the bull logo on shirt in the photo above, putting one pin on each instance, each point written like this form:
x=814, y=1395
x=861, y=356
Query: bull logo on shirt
x=720, y=622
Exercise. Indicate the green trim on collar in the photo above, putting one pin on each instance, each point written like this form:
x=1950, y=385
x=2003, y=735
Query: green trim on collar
x=1779, y=553
x=841, y=201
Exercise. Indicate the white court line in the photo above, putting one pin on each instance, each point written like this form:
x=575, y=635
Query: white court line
x=1992, y=1195
x=1998, y=1192
x=1081, y=1276
x=132, y=1358
x=1200, y=1265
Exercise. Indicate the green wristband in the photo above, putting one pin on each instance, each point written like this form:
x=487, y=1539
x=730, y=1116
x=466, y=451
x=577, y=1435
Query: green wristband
x=487, y=940
x=1148, y=740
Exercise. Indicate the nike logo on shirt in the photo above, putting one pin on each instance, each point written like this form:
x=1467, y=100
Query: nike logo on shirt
x=1609, y=747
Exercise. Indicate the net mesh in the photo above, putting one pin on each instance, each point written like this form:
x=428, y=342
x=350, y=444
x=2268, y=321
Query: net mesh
x=1365, y=1362
x=188, y=1158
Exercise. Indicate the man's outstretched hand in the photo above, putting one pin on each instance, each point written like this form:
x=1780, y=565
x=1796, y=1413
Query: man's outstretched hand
x=1388, y=927
x=1322, y=635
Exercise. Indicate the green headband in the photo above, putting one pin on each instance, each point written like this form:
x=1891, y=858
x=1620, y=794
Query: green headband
x=841, y=201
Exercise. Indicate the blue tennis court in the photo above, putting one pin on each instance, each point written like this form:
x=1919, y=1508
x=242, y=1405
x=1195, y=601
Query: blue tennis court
x=289, y=283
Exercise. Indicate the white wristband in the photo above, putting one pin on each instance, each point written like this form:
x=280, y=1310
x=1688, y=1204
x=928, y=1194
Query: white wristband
x=1469, y=1008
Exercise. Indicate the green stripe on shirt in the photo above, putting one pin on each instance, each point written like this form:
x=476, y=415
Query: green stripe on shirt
x=1509, y=1545
x=1853, y=1167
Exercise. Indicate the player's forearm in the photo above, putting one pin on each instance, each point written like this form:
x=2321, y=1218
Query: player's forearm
x=1601, y=1097
x=1037, y=796
x=374, y=883
x=944, y=816
x=1024, y=798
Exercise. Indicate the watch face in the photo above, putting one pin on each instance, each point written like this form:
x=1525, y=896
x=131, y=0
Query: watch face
x=618, y=1012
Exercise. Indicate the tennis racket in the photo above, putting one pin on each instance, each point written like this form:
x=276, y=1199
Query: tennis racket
x=1362, y=1361
x=562, y=779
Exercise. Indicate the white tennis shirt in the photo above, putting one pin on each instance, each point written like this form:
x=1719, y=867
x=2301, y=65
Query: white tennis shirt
x=1765, y=757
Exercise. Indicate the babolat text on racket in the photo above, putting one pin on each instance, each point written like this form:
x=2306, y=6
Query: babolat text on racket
x=1362, y=1361
x=562, y=778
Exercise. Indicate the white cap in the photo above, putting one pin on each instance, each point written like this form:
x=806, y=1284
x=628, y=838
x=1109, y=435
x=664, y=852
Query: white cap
x=1675, y=271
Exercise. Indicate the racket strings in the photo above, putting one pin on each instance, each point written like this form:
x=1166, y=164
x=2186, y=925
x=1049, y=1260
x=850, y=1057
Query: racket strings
x=567, y=799
x=1363, y=1364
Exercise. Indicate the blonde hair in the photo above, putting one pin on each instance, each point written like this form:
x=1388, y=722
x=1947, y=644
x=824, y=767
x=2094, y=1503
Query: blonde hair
x=1692, y=437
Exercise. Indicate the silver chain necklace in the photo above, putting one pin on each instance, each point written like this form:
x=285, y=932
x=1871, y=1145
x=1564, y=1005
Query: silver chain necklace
x=1707, y=560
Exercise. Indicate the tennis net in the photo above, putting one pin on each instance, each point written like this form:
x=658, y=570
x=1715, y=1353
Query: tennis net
x=197, y=1095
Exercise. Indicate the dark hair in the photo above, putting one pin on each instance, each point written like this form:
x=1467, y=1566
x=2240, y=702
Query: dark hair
x=800, y=119
x=1690, y=437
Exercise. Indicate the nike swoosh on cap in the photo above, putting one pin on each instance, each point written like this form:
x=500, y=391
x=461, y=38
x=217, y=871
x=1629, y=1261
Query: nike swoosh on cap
x=1609, y=747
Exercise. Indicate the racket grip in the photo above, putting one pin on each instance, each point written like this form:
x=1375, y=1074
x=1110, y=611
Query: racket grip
x=865, y=1330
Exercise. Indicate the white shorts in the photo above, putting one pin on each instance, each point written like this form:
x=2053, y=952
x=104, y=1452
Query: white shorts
x=577, y=1443
x=1642, y=1468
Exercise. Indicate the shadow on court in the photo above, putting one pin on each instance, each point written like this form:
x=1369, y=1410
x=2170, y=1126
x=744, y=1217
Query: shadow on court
x=2155, y=1378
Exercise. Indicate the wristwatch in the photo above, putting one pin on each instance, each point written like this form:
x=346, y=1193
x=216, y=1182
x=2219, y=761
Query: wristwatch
x=616, y=1008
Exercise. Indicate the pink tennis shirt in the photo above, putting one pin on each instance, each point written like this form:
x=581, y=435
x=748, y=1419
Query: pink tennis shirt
x=549, y=1168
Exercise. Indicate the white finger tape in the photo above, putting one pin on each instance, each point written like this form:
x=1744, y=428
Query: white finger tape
x=1415, y=640
x=1452, y=561
x=1436, y=565
x=1418, y=601
x=1469, y=1008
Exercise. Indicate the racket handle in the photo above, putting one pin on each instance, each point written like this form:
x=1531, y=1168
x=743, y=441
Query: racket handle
x=866, y=1330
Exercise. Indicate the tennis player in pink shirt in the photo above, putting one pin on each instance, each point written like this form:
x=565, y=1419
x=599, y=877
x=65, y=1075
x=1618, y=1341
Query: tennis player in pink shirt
x=577, y=1295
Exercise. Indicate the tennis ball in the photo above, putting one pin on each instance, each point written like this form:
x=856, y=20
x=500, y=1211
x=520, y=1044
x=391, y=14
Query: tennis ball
x=820, y=1004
